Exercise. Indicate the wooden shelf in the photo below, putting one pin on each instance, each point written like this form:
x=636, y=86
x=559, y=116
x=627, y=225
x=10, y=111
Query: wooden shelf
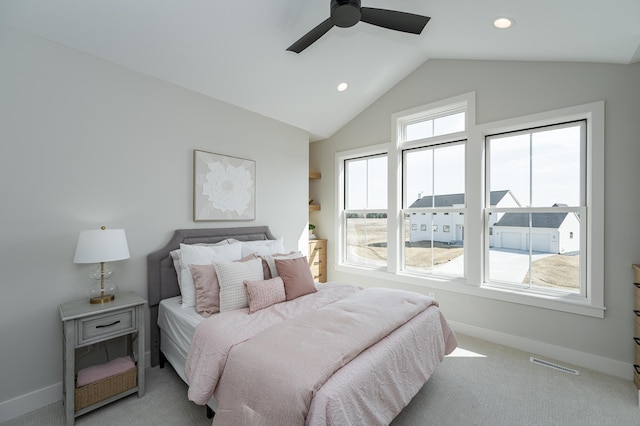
x=314, y=207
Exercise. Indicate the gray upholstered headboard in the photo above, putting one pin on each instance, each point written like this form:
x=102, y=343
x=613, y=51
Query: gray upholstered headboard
x=162, y=281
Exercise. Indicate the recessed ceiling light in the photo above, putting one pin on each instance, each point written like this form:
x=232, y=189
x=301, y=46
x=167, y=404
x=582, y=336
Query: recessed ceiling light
x=503, y=22
x=342, y=86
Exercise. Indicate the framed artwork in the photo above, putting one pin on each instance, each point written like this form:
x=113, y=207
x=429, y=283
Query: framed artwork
x=223, y=187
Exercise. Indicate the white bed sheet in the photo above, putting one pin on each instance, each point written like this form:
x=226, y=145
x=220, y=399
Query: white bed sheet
x=178, y=322
x=177, y=325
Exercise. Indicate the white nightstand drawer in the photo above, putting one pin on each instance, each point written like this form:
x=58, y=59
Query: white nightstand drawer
x=104, y=326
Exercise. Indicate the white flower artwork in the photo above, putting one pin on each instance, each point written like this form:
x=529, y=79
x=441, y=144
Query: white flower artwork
x=223, y=187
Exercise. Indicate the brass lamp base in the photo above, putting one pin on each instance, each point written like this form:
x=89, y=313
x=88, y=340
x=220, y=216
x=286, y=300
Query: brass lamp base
x=101, y=299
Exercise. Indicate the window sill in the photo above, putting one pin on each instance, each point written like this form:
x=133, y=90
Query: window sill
x=460, y=285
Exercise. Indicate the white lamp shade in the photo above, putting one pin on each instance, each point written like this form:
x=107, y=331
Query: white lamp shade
x=101, y=245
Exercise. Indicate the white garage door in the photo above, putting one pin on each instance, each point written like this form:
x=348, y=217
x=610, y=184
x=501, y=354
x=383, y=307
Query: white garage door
x=511, y=240
x=541, y=243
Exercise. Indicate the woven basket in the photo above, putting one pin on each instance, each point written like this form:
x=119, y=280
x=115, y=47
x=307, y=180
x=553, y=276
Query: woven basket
x=105, y=388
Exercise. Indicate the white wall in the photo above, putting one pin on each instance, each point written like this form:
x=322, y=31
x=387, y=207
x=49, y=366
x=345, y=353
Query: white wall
x=85, y=143
x=512, y=89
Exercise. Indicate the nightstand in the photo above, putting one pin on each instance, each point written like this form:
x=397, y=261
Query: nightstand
x=85, y=324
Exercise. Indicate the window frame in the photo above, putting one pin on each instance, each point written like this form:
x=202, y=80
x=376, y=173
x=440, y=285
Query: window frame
x=579, y=209
x=432, y=143
x=591, y=303
x=341, y=201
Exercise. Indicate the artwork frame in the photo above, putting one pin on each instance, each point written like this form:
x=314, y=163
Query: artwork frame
x=224, y=187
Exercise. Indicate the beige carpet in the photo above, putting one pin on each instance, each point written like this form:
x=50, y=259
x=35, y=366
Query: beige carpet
x=479, y=384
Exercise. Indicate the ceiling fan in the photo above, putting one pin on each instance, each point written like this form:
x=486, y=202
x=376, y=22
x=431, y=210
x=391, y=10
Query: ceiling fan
x=347, y=13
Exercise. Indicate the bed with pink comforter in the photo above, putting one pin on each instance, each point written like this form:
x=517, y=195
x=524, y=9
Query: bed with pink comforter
x=341, y=355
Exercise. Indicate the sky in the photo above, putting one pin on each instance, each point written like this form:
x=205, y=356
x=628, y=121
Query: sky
x=550, y=175
x=540, y=168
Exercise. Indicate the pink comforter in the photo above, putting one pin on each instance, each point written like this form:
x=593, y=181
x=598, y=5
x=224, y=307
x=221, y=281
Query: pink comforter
x=215, y=336
x=270, y=379
x=372, y=390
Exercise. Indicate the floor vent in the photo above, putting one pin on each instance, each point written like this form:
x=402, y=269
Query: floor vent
x=554, y=366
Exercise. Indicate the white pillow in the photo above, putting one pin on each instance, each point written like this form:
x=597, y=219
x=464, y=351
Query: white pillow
x=262, y=247
x=271, y=260
x=202, y=255
x=175, y=255
x=231, y=276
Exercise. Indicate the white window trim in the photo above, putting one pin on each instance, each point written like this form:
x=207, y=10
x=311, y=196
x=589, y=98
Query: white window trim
x=593, y=303
x=473, y=284
x=464, y=102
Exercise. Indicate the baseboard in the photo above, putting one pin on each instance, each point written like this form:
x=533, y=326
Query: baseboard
x=39, y=398
x=570, y=356
x=24, y=404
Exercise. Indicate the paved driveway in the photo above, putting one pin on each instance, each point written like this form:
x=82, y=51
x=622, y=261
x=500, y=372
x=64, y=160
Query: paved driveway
x=506, y=265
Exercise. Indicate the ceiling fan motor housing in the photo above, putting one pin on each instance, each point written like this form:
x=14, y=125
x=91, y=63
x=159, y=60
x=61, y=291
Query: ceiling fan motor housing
x=345, y=13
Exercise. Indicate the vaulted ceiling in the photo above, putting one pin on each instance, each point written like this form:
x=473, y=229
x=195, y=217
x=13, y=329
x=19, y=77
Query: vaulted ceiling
x=235, y=51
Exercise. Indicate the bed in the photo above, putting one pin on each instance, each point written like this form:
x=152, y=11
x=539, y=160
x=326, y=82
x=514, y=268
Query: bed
x=370, y=387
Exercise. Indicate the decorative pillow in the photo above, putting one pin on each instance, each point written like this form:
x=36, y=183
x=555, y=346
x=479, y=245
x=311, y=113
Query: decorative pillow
x=270, y=259
x=266, y=270
x=262, y=247
x=264, y=293
x=202, y=255
x=231, y=276
x=296, y=275
x=208, y=288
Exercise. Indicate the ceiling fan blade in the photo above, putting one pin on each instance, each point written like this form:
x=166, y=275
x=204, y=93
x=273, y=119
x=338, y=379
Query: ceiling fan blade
x=394, y=20
x=312, y=36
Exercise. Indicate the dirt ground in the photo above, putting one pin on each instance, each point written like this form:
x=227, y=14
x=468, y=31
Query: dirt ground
x=558, y=271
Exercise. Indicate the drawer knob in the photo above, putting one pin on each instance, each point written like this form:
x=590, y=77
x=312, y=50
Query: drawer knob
x=637, y=367
x=637, y=339
x=107, y=325
x=637, y=312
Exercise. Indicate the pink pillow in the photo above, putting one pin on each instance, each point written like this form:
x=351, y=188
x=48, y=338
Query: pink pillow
x=264, y=293
x=296, y=276
x=266, y=272
x=207, y=287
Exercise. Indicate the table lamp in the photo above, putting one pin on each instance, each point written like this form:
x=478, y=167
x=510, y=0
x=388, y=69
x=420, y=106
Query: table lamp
x=100, y=246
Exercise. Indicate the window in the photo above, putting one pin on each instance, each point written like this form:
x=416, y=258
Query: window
x=537, y=180
x=365, y=211
x=427, y=127
x=436, y=173
x=461, y=201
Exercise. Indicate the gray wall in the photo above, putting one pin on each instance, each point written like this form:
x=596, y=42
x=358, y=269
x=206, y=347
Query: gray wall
x=505, y=90
x=85, y=143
